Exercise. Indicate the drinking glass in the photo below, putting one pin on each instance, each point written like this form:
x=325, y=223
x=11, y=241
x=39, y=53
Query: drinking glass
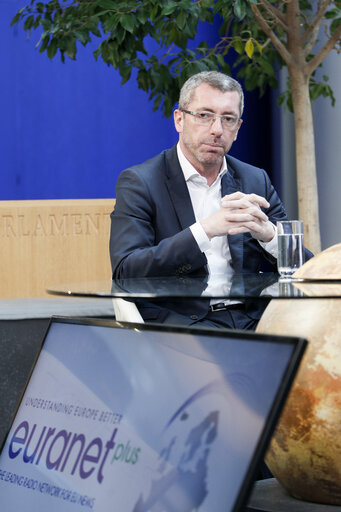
x=290, y=246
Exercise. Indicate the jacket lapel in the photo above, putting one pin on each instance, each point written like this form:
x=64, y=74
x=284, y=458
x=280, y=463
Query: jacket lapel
x=178, y=190
x=230, y=184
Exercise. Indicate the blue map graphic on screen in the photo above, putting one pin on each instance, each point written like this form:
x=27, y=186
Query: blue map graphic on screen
x=184, y=486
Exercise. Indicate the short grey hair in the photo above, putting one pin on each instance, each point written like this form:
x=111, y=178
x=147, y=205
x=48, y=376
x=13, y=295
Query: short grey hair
x=213, y=78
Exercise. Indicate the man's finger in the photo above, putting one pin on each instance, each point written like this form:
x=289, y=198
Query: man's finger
x=256, y=199
x=240, y=200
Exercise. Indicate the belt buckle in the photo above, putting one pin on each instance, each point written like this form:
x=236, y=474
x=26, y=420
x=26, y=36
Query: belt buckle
x=220, y=306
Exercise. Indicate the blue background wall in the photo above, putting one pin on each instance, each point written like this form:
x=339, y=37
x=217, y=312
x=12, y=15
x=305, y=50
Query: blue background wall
x=67, y=130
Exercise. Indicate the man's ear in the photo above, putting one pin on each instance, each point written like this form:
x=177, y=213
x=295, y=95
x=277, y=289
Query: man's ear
x=178, y=120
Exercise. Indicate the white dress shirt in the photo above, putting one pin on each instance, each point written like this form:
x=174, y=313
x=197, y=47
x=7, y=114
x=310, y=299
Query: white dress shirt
x=206, y=200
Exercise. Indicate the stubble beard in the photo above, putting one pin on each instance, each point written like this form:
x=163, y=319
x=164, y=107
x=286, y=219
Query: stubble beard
x=203, y=155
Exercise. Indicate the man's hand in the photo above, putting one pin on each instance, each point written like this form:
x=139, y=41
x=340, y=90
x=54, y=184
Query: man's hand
x=240, y=213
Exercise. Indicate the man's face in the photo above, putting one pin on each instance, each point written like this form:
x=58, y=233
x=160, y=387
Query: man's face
x=205, y=145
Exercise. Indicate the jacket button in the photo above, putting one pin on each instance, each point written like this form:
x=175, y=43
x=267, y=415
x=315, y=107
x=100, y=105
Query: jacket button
x=194, y=317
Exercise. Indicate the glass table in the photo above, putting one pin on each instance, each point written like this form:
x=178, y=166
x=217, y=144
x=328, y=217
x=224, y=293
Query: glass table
x=267, y=494
x=265, y=285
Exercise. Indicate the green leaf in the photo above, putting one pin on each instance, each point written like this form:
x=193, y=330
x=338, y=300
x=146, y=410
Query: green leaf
x=207, y=16
x=157, y=102
x=191, y=27
x=128, y=22
x=106, y=4
x=45, y=42
x=71, y=48
x=16, y=19
x=169, y=9
x=315, y=91
x=82, y=36
x=52, y=49
x=142, y=15
x=220, y=59
x=37, y=21
x=280, y=99
x=239, y=9
x=181, y=19
x=334, y=25
x=95, y=30
x=266, y=67
x=143, y=80
x=238, y=45
x=179, y=38
x=120, y=34
x=46, y=23
x=332, y=14
x=126, y=73
x=40, y=7
x=249, y=48
x=259, y=46
x=97, y=52
x=154, y=13
x=29, y=22
x=110, y=24
x=223, y=28
x=305, y=5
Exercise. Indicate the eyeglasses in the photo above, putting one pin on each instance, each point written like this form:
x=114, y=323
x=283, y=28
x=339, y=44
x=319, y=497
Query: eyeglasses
x=207, y=118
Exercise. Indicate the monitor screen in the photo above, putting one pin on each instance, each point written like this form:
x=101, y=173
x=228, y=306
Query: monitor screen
x=141, y=418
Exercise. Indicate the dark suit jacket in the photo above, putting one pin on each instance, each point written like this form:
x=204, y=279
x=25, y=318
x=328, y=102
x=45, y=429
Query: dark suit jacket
x=150, y=233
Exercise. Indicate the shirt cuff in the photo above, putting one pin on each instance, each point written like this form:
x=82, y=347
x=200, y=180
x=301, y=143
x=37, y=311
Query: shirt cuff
x=200, y=236
x=271, y=247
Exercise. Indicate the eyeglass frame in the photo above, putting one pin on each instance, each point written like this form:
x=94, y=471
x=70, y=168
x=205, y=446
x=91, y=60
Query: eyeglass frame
x=213, y=117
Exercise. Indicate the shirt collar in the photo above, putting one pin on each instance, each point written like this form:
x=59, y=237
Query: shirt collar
x=189, y=171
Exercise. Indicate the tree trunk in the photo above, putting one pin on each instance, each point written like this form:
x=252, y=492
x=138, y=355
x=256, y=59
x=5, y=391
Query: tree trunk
x=305, y=159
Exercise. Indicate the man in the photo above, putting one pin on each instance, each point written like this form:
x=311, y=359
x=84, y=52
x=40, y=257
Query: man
x=193, y=210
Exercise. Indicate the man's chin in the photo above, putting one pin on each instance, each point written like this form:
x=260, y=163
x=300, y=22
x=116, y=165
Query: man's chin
x=212, y=158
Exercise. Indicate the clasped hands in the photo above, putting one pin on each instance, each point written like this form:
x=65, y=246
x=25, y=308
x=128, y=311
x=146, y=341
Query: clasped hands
x=240, y=213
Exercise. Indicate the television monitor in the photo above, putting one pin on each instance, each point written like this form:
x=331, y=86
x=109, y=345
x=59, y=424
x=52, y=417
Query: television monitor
x=137, y=418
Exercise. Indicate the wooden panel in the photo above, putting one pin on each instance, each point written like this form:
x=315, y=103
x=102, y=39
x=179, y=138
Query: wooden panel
x=43, y=243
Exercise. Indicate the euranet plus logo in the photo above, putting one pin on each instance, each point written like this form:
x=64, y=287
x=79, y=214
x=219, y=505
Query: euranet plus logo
x=69, y=452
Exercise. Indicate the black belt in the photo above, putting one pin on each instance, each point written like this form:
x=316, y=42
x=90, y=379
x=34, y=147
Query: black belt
x=221, y=306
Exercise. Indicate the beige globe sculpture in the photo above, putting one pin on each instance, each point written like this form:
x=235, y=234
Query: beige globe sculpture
x=305, y=451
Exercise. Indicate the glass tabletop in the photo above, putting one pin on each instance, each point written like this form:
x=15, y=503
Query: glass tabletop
x=240, y=286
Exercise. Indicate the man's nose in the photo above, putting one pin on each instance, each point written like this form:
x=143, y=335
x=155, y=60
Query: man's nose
x=216, y=126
